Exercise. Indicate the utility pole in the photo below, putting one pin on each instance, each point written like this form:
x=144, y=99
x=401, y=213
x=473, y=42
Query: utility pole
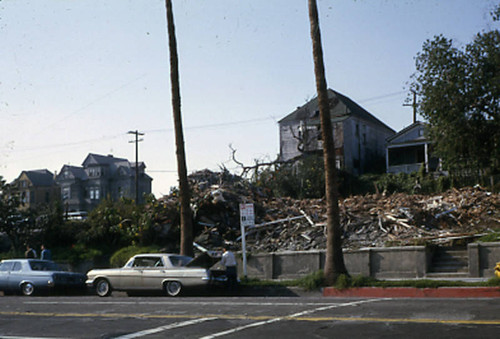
x=137, y=140
x=414, y=105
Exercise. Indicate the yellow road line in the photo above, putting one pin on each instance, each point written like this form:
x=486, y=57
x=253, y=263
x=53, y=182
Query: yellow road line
x=248, y=317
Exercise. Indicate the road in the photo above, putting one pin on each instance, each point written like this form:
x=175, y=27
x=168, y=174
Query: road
x=302, y=317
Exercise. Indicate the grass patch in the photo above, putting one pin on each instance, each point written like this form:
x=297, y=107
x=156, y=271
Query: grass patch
x=315, y=281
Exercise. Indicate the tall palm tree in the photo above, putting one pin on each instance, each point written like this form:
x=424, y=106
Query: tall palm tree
x=334, y=261
x=184, y=193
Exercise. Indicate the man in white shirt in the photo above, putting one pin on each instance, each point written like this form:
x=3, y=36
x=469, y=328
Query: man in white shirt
x=229, y=262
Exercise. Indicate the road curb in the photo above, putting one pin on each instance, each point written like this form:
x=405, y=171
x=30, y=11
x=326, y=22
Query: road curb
x=413, y=292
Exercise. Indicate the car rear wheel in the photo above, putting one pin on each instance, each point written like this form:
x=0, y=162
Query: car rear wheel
x=173, y=288
x=27, y=289
x=103, y=288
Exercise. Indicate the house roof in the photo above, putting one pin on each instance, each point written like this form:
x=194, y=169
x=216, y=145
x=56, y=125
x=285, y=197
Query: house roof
x=41, y=177
x=76, y=172
x=97, y=159
x=310, y=111
x=407, y=130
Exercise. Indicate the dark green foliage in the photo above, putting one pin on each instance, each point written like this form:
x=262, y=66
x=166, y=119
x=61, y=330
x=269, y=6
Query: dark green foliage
x=120, y=257
x=316, y=280
x=312, y=281
x=112, y=224
x=492, y=237
x=343, y=281
x=459, y=96
x=362, y=281
x=76, y=254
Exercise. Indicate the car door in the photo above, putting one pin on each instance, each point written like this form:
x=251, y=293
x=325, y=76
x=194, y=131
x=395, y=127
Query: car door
x=16, y=276
x=131, y=275
x=5, y=268
x=154, y=272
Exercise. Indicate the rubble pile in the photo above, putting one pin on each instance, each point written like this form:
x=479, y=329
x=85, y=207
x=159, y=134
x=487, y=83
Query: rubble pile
x=285, y=224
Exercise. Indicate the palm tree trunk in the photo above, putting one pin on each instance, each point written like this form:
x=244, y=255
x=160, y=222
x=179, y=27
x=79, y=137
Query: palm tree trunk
x=334, y=261
x=186, y=241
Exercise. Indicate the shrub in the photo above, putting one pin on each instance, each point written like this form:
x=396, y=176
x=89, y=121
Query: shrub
x=313, y=281
x=492, y=237
x=343, y=281
x=120, y=257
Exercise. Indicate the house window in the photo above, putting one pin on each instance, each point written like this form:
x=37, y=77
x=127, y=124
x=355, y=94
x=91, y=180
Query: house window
x=94, y=193
x=66, y=193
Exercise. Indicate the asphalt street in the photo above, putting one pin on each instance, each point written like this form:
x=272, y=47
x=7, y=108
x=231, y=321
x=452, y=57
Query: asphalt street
x=311, y=316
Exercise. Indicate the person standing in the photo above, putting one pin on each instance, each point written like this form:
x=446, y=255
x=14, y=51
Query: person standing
x=229, y=262
x=30, y=252
x=46, y=254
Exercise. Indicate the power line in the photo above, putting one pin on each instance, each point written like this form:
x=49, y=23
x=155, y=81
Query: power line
x=383, y=96
x=70, y=144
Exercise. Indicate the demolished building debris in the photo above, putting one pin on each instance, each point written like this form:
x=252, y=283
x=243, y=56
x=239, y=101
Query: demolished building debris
x=375, y=220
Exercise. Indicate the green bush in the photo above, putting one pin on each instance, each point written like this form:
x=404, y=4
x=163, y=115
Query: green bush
x=343, y=281
x=312, y=281
x=76, y=254
x=120, y=257
x=362, y=281
x=495, y=281
x=492, y=237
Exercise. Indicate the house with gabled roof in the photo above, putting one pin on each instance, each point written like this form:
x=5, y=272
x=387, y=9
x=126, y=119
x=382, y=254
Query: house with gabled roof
x=100, y=176
x=409, y=150
x=35, y=188
x=359, y=136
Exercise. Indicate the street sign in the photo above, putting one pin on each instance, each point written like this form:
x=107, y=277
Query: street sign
x=247, y=215
x=247, y=219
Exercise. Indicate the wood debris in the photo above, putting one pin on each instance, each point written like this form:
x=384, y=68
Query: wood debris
x=285, y=224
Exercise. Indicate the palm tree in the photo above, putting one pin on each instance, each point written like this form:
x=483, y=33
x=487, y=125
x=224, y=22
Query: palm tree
x=184, y=193
x=334, y=261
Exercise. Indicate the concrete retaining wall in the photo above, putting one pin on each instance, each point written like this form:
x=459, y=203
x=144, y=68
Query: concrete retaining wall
x=483, y=257
x=380, y=263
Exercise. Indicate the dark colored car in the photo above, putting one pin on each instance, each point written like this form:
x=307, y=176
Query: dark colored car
x=30, y=276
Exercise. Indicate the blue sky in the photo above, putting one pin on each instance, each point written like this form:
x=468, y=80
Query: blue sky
x=76, y=76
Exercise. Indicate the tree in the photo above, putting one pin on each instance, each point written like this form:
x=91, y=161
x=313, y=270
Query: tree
x=14, y=223
x=459, y=96
x=334, y=261
x=186, y=242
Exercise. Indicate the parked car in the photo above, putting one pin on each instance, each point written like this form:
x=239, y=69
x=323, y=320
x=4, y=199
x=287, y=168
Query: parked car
x=170, y=273
x=27, y=276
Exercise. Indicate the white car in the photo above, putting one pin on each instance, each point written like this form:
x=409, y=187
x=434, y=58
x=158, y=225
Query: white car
x=170, y=273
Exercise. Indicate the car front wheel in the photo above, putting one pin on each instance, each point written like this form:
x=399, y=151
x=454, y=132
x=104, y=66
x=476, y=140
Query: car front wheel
x=27, y=289
x=173, y=288
x=103, y=288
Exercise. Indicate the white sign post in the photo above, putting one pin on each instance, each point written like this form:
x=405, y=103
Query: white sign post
x=247, y=218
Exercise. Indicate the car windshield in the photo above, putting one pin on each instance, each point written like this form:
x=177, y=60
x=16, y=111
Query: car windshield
x=44, y=266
